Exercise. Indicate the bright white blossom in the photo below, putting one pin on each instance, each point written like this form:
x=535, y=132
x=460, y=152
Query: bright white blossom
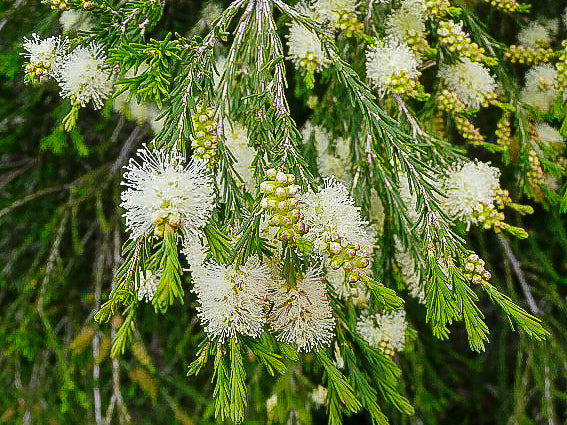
x=552, y=24
x=271, y=404
x=319, y=395
x=331, y=214
x=147, y=285
x=237, y=141
x=83, y=77
x=72, y=20
x=303, y=315
x=387, y=61
x=410, y=273
x=376, y=212
x=471, y=81
x=405, y=23
x=534, y=35
x=467, y=186
x=231, y=300
x=210, y=13
x=160, y=188
x=44, y=55
x=539, y=90
x=305, y=50
x=384, y=328
x=549, y=135
x=330, y=162
x=332, y=9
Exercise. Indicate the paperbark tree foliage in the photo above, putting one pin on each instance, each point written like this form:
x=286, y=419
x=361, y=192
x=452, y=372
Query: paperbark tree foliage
x=282, y=212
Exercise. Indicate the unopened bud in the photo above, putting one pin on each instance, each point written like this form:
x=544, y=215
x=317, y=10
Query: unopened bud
x=280, y=192
x=266, y=187
x=334, y=247
x=271, y=173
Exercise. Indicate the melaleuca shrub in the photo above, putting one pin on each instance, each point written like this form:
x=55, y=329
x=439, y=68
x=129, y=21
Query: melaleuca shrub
x=306, y=182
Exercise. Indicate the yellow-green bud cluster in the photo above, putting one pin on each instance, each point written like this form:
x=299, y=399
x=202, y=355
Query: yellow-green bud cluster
x=503, y=198
x=475, y=271
x=504, y=131
x=140, y=353
x=346, y=255
x=401, y=83
x=37, y=72
x=508, y=6
x=171, y=220
x=458, y=42
x=204, y=137
x=417, y=42
x=448, y=101
x=489, y=217
x=562, y=163
x=437, y=8
x=310, y=62
x=535, y=174
x=561, y=65
x=469, y=132
x=280, y=199
x=58, y=4
x=528, y=55
x=83, y=339
x=348, y=22
x=386, y=347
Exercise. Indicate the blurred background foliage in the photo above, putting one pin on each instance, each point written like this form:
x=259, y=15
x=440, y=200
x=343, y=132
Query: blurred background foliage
x=60, y=241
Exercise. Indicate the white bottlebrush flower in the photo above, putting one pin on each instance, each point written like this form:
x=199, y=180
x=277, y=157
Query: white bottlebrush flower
x=271, y=404
x=72, y=20
x=44, y=55
x=147, y=285
x=552, y=24
x=319, y=395
x=333, y=9
x=534, y=35
x=237, y=141
x=564, y=17
x=376, y=212
x=549, y=135
x=231, y=300
x=83, y=77
x=471, y=81
x=387, y=328
x=331, y=215
x=329, y=162
x=220, y=66
x=467, y=186
x=305, y=50
x=408, y=197
x=356, y=295
x=303, y=315
x=410, y=273
x=539, y=90
x=160, y=188
x=387, y=61
x=405, y=23
x=210, y=13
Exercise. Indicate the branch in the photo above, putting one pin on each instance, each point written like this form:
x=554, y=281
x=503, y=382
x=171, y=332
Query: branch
x=517, y=267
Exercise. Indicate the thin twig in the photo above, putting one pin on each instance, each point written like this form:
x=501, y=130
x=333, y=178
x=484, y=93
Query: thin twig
x=517, y=267
x=136, y=134
x=31, y=197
